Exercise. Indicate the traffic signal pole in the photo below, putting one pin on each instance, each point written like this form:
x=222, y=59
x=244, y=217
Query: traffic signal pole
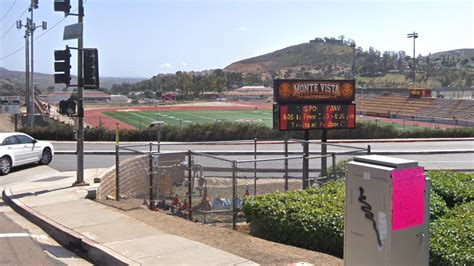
x=80, y=91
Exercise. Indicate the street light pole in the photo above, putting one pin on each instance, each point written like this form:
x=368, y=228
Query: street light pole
x=413, y=35
x=80, y=92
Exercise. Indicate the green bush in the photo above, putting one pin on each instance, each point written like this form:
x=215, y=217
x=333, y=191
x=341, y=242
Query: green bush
x=452, y=237
x=237, y=131
x=454, y=187
x=312, y=218
x=341, y=170
x=437, y=206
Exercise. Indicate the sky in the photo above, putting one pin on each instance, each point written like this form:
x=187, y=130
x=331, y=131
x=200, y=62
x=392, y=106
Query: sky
x=143, y=38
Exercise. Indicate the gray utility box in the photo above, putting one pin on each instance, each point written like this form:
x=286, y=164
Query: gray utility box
x=387, y=212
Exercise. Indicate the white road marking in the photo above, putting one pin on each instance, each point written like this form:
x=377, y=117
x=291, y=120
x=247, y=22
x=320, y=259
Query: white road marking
x=7, y=235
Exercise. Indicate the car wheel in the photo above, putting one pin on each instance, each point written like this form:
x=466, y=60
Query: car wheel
x=46, y=157
x=5, y=165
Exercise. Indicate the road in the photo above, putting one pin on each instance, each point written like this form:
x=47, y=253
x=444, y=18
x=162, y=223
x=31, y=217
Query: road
x=23, y=243
x=101, y=155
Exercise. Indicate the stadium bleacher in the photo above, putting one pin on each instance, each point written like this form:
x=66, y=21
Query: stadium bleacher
x=393, y=105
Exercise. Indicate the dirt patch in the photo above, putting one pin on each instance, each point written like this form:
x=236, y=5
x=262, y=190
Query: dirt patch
x=221, y=236
x=7, y=123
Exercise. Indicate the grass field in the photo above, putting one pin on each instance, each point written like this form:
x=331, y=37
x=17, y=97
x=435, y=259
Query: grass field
x=182, y=118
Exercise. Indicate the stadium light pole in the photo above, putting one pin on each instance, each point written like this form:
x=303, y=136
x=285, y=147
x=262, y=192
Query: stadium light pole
x=413, y=35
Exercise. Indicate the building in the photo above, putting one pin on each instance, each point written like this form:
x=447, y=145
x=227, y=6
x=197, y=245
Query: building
x=119, y=99
x=168, y=96
x=249, y=93
x=89, y=97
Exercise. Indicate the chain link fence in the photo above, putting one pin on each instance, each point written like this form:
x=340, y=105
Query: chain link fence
x=209, y=183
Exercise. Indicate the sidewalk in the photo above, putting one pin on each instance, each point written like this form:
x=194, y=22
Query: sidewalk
x=103, y=234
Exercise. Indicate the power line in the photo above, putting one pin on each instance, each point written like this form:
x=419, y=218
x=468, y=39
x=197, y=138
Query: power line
x=14, y=23
x=12, y=53
x=8, y=11
x=37, y=37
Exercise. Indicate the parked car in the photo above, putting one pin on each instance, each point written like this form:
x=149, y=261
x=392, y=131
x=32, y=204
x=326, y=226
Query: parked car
x=18, y=149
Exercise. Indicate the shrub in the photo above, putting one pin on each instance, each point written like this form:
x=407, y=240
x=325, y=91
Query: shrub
x=312, y=218
x=437, y=206
x=452, y=237
x=452, y=186
x=341, y=170
x=237, y=131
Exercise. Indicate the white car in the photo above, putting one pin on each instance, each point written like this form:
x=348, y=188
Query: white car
x=19, y=149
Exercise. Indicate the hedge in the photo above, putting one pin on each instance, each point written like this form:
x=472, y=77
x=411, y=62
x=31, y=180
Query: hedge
x=237, y=131
x=454, y=187
x=311, y=219
x=452, y=237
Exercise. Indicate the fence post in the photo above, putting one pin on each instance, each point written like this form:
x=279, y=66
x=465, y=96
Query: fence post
x=334, y=176
x=117, y=173
x=234, y=195
x=150, y=162
x=255, y=167
x=305, y=160
x=286, y=160
x=190, y=186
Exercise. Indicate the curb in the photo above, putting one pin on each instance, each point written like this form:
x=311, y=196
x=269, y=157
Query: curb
x=81, y=245
x=270, y=141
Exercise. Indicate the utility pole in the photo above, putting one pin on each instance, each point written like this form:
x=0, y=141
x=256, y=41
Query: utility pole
x=80, y=91
x=413, y=35
x=30, y=28
x=353, y=46
x=19, y=25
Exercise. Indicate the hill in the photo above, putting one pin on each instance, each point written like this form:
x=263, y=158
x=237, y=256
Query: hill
x=332, y=58
x=315, y=55
x=13, y=82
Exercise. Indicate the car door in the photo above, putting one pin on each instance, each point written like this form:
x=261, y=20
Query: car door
x=30, y=150
x=16, y=149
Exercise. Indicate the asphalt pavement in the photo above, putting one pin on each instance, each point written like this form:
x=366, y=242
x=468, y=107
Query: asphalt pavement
x=17, y=246
x=448, y=154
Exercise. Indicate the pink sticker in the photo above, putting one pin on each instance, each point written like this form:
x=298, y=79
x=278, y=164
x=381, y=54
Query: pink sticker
x=408, y=197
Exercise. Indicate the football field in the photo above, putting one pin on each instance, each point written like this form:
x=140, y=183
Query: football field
x=142, y=119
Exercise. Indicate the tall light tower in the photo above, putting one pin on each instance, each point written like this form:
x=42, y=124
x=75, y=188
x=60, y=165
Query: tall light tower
x=413, y=35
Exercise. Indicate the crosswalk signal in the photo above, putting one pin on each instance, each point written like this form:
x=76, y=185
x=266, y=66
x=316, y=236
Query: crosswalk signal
x=62, y=6
x=91, y=68
x=67, y=107
x=63, y=65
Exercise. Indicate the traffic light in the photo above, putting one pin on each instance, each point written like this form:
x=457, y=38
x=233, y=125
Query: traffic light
x=63, y=65
x=62, y=6
x=91, y=68
x=67, y=107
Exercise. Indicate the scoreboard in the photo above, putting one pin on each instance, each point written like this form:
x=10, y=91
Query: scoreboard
x=313, y=116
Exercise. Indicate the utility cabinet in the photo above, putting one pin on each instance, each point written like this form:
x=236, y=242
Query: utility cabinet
x=386, y=212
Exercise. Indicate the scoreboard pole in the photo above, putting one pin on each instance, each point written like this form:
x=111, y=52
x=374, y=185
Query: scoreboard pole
x=324, y=152
x=305, y=159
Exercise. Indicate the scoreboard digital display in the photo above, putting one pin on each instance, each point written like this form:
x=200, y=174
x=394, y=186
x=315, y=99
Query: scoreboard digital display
x=314, y=116
x=303, y=91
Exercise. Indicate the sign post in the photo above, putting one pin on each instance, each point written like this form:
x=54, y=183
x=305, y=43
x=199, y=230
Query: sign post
x=314, y=105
